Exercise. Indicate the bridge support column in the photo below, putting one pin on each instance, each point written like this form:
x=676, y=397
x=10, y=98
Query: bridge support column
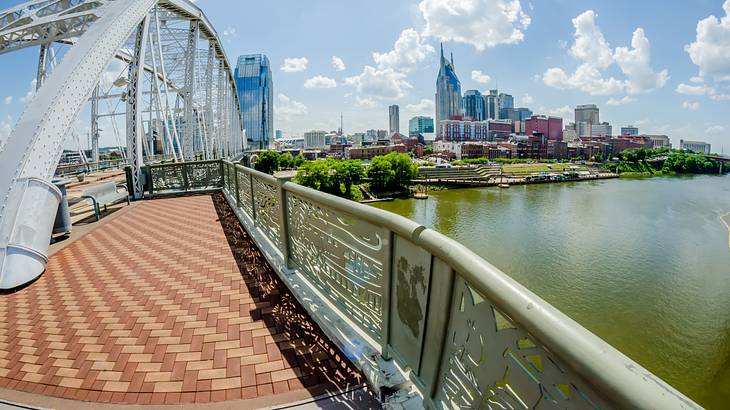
x=189, y=95
x=135, y=128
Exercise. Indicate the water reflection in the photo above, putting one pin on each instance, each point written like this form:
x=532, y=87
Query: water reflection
x=642, y=263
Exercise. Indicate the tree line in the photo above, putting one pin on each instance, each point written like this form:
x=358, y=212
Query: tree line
x=387, y=173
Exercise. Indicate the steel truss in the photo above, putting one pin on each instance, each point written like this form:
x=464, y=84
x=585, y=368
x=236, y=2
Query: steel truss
x=159, y=64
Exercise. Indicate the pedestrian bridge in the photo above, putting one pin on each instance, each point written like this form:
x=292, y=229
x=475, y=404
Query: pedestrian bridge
x=222, y=284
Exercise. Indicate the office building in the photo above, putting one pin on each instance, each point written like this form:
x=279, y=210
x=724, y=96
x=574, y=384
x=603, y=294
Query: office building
x=315, y=139
x=256, y=95
x=506, y=105
x=700, y=147
x=586, y=116
x=491, y=104
x=550, y=127
x=394, y=119
x=448, y=91
x=279, y=134
x=522, y=114
x=659, y=141
x=465, y=130
x=474, y=107
x=603, y=129
x=371, y=135
x=630, y=130
x=420, y=125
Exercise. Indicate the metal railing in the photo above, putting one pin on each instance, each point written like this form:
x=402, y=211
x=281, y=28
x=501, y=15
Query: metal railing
x=471, y=336
x=183, y=176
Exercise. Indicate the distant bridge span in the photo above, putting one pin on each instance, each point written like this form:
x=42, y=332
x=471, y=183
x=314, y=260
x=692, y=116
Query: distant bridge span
x=175, y=87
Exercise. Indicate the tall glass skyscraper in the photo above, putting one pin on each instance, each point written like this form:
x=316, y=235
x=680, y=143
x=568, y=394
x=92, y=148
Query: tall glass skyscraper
x=256, y=95
x=506, y=105
x=474, y=105
x=448, y=92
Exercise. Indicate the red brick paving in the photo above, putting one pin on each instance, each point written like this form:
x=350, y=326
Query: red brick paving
x=163, y=305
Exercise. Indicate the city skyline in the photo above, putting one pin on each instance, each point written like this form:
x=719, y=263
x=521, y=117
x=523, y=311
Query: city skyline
x=642, y=69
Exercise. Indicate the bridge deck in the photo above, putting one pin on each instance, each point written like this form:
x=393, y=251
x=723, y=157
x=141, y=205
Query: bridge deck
x=164, y=303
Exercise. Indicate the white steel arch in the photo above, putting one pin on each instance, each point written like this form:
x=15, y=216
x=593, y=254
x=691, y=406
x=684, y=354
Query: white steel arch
x=167, y=93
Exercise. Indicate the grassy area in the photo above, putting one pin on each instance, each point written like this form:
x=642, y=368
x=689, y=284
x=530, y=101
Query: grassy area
x=536, y=168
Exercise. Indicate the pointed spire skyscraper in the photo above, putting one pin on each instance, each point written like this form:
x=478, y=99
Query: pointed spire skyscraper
x=448, y=93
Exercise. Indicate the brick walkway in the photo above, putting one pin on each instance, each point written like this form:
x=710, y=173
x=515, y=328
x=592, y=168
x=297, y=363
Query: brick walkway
x=164, y=304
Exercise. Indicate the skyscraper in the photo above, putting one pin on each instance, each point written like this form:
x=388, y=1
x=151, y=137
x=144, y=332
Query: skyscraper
x=474, y=105
x=491, y=104
x=506, y=105
x=420, y=125
x=630, y=130
x=448, y=92
x=394, y=117
x=256, y=95
x=586, y=117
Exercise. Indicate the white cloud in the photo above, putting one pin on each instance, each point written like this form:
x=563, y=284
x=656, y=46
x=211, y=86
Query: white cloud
x=338, y=64
x=229, y=33
x=692, y=89
x=697, y=79
x=527, y=99
x=408, y=51
x=636, y=65
x=586, y=78
x=366, y=102
x=481, y=23
x=595, y=54
x=620, y=101
x=8, y=100
x=716, y=129
x=422, y=107
x=287, y=108
x=692, y=106
x=385, y=84
x=320, y=82
x=711, y=49
x=590, y=45
x=564, y=111
x=480, y=77
x=720, y=97
x=294, y=64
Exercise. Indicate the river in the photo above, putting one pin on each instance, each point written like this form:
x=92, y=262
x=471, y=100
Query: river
x=643, y=263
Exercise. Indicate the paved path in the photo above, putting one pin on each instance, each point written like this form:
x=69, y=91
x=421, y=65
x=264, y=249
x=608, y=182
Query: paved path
x=164, y=304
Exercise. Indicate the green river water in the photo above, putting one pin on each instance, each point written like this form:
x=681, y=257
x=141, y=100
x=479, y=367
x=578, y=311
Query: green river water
x=644, y=264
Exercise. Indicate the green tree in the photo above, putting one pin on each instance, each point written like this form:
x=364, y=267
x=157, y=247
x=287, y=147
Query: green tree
x=348, y=173
x=404, y=170
x=268, y=162
x=299, y=160
x=380, y=172
x=315, y=175
x=286, y=161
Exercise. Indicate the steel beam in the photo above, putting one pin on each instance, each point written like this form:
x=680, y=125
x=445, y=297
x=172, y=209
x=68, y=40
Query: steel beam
x=135, y=129
x=189, y=90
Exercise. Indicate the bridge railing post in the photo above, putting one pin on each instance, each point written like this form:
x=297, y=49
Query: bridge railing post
x=283, y=222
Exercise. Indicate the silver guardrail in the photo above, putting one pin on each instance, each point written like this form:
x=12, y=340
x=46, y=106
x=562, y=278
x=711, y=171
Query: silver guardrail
x=471, y=336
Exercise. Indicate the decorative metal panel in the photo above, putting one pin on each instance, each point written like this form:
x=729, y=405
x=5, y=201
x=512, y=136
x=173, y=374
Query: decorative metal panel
x=410, y=285
x=266, y=197
x=204, y=174
x=343, y=256
x=490, y=363
x=244, y=192
x=169, y=177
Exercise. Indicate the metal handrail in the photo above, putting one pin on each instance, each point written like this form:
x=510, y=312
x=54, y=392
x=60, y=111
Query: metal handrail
x=581, y=364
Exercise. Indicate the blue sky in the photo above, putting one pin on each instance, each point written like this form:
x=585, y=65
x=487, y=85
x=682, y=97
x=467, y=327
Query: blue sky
x=550, y=54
